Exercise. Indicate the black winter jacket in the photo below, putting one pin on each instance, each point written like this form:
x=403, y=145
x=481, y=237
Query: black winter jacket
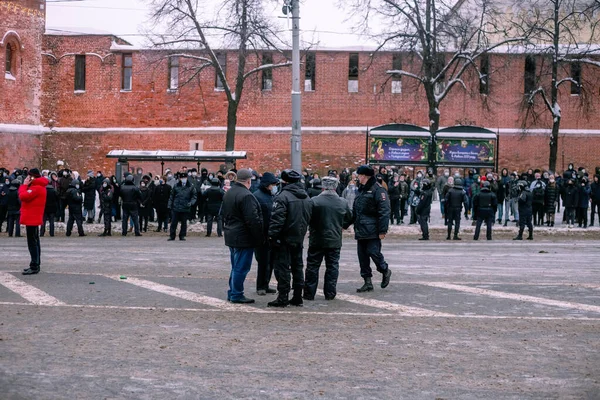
x=183, y=197
x=456, y=198
x=424, y=206
x=160, y=196
x=51, y=200
x=89, y=192
x=214, y=199
x=394, y=190
x=595, y=195
x=242, y=218
x=485, y=200
x=131, y=196
x=106, y=199
x=330, y=214
x=13, y=202
x=571, y=196
x=371, y=211
x=291, y=215
x=145, y=202
x=551, y=197
x=265, y=199
x=74, y=199
x=525, y=202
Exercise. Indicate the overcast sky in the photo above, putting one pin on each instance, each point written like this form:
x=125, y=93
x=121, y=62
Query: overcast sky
x=320, y=21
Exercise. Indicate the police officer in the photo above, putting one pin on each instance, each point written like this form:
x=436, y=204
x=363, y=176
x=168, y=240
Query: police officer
x=106, y=200
x=525, y=210
x=75, y=202
x=181, y=199
x=289, y=222
x=330, y=214
x=424, y=208
x=455, y=199
x=214, y=201
x=371, y=216
x=131, y=196
x=485, y=204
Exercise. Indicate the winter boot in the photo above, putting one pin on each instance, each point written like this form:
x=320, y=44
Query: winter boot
x=367, y=287
x=297, y=298
x=385, y=281
x=103, y=234
x=530, y=237
x=281, y=301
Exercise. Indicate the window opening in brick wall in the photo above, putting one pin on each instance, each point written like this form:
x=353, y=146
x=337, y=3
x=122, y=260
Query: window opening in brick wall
x=127, y=72
x=438, y=67
x=484, y=70
x=267, y=74
x=529, y=74
x=9, y=59
x=80, y=72
x=353, y=73
x=173, y=73
x=222, y=60
x=310, y=72
x=397, y=79
x=576, y=75
x=196, y=145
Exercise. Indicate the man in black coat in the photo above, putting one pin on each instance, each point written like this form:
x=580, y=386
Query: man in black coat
x=160, y=201
x=106, y=200
x=89, y=197
x=371, y=216
x=243, y=228
x=75, y=203
x=330, y=214
x=214, y=200
x=525, y=210
x=265, y=193
x=131, y=198
x=289, y=223
x=485, y=204
x=424, y=208
x=455, y=199
x=182, y=197
x=50, y=209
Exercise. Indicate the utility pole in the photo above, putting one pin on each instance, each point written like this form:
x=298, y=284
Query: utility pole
x=296, y=140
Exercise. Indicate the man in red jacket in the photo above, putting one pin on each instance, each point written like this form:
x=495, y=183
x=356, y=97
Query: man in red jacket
x=33, y=201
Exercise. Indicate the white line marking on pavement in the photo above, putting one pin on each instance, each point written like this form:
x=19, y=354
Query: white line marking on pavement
x=515, y=296
x=28, y=292
x=187, y=295
x=384, y=305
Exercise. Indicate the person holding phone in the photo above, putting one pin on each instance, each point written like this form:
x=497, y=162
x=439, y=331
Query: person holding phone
x=32, y=194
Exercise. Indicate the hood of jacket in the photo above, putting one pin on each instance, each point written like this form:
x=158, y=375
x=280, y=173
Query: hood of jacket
x=367, y=186
x=297, y=189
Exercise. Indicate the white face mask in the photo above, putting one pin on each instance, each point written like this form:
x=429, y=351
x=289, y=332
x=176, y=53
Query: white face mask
x=105, y=184
x=446, y=173
x=183, y=181
x=274, y=190
x=76, y=186
x=419, y=176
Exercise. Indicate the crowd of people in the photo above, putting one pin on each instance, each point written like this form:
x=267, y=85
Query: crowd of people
x=268, y=215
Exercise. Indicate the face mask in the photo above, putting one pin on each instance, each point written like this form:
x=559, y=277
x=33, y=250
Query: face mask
x=142, y=184
x=98, y=175
x=194, y=174
x=105, y=184
x=274, y=190
x=64, y=174
x=189, y=174
x=211, y=176
x=419, y=176
x=184, y=181
x=161, y=181
x=446, y=174
x=76, y=186
x=169, y=176
x=139, y=172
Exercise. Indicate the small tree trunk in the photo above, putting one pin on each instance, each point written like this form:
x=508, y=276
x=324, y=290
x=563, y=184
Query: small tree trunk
x=231, y=125
x=554, y=145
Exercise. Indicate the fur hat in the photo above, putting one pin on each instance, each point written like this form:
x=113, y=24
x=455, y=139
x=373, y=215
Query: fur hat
x=365, y=170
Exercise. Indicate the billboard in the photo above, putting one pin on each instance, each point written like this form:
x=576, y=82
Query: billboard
x=466, y=151
x=399, y=149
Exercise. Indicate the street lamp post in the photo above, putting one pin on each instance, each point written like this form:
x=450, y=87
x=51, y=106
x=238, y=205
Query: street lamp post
x=296, y=140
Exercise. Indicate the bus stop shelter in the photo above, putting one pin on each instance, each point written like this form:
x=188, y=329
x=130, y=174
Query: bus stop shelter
x=198, y=156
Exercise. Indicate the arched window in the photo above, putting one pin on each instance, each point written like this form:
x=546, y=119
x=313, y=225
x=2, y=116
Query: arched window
x=9, y=59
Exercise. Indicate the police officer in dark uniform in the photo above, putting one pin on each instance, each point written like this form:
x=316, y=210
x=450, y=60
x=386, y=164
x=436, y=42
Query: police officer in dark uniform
x=75, y=202
x=292, y=210
x=455, y=199
x=485, y=204
x=106, y=199
x=525, y=210
x=424, y=208
x=371, y=215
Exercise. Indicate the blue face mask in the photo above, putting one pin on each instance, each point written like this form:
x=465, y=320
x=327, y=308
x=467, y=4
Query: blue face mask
x=274, y=190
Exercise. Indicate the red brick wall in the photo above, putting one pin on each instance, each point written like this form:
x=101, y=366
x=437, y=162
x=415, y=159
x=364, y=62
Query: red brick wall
x=20, y=98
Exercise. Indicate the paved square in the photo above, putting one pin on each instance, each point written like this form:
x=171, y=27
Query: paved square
x=460, y=320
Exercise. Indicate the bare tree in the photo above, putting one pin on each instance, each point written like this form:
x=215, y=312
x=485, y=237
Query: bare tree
x=238, y=24
x=565, y=38
x=447, y=38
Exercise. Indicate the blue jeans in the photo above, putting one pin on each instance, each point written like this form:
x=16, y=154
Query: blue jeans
x=241, y=261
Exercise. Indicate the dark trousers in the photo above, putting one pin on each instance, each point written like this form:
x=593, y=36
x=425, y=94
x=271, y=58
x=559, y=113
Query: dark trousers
x=424, y=223
x=163, y=217
x=370, y=249
x=134, y=214
x=33, y=244
x=287, y=263
x=264, y=259
x=50, y=219
x=209, y=222
x=582, y=218
x=107, y=222
x=177, y=217
x=570, y=215
x=395, y=214
x=402, y=209
x=14, y=224
x=193, y=211
x=538, y=213
x=525, y=221
x=75, y=218
x=201, y=204
x=595, y=210
x=332, y=271
x=4, y=211
x=487, y=216
x=62, y=205
x=453, y=217
x=144, y=222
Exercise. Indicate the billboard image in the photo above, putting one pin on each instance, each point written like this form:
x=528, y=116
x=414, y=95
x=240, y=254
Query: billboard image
x=466, y=151
x=400, y=149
